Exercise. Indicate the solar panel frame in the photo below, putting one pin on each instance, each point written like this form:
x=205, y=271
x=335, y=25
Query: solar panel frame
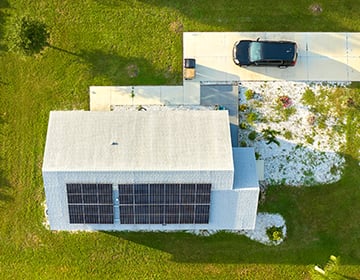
x=87, y=202
x=169, y=203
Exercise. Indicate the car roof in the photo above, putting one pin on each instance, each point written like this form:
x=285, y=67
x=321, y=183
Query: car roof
x=276, y=50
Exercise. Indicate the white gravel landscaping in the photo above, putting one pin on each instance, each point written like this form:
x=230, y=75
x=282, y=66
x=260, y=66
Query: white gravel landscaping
x=263, y=222
x=307, y=154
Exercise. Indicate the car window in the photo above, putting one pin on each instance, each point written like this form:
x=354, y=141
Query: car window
x=255, y=52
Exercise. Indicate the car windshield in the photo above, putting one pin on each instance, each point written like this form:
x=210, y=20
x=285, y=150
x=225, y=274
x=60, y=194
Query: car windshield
x=255, y=52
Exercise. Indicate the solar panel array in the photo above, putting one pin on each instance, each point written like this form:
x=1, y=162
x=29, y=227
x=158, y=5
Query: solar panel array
x=164, y=203
x=90, y=203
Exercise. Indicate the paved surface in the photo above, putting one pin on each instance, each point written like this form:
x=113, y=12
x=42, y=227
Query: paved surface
x=225, y=95
x=322, y=56
x=102, y=98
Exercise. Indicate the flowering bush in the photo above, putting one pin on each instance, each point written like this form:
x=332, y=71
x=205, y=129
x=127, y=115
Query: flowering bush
x=285, y=101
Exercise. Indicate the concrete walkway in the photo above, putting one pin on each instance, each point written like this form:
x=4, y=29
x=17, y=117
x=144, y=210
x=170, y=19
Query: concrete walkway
x=322, y=56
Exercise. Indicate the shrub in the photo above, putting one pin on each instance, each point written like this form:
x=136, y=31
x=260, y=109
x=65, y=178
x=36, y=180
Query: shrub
x=243, y=143
x=270, y=136
x=274, y=233
x=243, y=107
x=308, y=97
x=243, y=125
x=252, y=117
x=249, y=94
x=252, y=135
x=288, y=135
x=28, y=36
x=289, y=111
x=309, y=140
x=257, y=155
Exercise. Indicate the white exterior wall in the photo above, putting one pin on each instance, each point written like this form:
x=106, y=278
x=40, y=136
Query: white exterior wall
x=234, y=210
x=230, y=209
x=56, y=196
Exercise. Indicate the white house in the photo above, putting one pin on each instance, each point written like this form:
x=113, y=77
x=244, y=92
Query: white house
x=147, y=170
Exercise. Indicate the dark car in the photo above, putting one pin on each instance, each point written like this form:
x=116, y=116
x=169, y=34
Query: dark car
x=265, y=53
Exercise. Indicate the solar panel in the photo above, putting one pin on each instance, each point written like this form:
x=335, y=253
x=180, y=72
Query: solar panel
x=141, y=209
x=203, y=198
x=156, y=194
x=186, y=219
x=105, y=189
x=76, y=209
x=89, y=188
x=91, y=219
x=156, y=219
x=203, y=188
x=201, y=219
x=106, y=209
x=73, y=188
x=187, y=209
x=76, y=219
x=91, y=209
x=90, y=198
x=172, y=209
x=188, y=198
x=164, y=203
x=141, y=189
x=156, y=209
x=141, y=219
x=188, y=189
x=157, y=189
x=106, y=219
x=90, y=203
x=75, y=198
x=126, y=189
x=126, y=210
x=141, y=199
x=202, y=209
x=126, y=199
x=105, y=198
x=127, y=219
x=171, y=219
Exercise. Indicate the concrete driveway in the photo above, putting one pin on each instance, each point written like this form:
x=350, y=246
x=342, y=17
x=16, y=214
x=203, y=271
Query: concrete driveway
x=322, y=56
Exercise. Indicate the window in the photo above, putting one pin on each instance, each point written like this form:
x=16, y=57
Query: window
x=90, y=203
x=164, y=203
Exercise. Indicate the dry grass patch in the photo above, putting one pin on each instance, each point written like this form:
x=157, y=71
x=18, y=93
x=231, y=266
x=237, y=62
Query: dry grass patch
x=316, y=9
x=176, y=27
x=132, y=70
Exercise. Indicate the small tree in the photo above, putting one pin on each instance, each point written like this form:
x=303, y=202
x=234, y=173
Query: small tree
x=28, y=36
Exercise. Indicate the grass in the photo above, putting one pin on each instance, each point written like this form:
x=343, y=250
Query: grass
x=96, y=43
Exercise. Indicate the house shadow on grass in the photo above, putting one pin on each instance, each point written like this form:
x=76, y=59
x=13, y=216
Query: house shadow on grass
x=4, y=188
x=4, y=4
x=109, y=69
x=223, y=247
x=4, y=182
x=252, y=17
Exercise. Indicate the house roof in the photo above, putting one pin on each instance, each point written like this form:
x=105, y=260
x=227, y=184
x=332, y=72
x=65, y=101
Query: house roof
x=138, y=141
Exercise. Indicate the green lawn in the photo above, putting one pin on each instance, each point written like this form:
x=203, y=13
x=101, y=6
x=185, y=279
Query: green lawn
x=100, y=42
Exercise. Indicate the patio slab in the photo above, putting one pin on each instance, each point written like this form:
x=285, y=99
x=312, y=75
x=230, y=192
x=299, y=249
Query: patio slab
x=323, y=56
